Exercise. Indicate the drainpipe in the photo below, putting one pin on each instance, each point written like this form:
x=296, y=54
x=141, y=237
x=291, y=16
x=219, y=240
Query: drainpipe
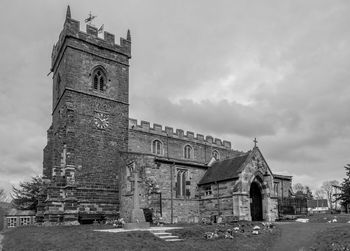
x=218, y=198
x=171, y=181
x=167, y=145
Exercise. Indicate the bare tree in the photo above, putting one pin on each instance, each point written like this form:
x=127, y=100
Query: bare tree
x=329, y=190
x=298, y=187
x=319, y=194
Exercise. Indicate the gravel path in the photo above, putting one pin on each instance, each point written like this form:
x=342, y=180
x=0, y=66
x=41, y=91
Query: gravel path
x=299, y=236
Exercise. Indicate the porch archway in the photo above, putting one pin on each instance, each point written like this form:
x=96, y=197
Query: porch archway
x=256, y=208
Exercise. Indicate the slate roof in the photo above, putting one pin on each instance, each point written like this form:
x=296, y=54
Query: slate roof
x=16, y=212
x=224, y=170
x=282, y=177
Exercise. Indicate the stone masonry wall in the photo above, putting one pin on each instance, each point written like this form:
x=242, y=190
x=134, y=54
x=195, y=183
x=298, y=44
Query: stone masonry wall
x=185, y=209
x=142, y=135
x=217, y=202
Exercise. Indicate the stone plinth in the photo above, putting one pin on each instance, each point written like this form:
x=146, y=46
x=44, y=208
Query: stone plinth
x=137, y=215
x=139, y=225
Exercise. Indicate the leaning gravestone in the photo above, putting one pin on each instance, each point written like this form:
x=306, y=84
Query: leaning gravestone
x=137, y=219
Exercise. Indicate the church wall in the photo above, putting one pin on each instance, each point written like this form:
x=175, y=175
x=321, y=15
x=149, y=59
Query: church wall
x=185, y=208
x=47, y=156
x=141, y=138
x=81, y=66
x=217, y=202
x=95, y=151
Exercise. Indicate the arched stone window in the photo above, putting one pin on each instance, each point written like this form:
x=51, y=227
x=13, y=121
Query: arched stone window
x=182, y=183
x=99, y=79
x=216, y=155
x=157, y=147
x=188, y=152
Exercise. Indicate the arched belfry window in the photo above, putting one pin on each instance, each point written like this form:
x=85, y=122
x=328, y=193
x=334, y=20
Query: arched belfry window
x=99, y=79
x=157, y=147
x=216, y=155
x=188, y=152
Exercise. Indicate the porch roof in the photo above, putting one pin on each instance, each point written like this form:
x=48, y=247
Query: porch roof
x=224, y=170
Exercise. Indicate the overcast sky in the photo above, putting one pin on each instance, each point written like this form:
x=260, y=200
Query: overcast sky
x=275, y=70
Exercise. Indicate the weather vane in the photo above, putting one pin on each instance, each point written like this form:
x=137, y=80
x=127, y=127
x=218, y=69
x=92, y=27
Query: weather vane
x=89, y=19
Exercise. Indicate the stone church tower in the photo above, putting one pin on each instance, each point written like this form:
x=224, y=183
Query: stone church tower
x=89, y=130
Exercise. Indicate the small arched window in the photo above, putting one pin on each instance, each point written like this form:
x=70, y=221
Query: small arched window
x=216, y=155
x=188, y=152
x=99, y=80
x=157, y=147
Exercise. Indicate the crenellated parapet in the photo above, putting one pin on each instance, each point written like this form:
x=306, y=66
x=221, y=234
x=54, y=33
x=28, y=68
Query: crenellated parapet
x=71, y=29
x=145, y=126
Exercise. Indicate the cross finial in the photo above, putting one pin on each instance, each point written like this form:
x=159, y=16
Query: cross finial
x=255, y=142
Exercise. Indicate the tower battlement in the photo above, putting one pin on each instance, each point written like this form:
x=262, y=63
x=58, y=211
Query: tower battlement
x=71, y=29
x=157, y=129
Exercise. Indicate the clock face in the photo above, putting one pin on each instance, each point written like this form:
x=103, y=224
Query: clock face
x=101, y=120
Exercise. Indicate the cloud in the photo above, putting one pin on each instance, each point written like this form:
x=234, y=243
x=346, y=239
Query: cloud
x=233, y=69
x=220, y=117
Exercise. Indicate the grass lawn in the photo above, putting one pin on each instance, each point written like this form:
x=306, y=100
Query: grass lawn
x=336, y=238
x=85, y=238
x=324, y=218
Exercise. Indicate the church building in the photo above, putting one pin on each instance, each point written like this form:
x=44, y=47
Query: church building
x=96, y=155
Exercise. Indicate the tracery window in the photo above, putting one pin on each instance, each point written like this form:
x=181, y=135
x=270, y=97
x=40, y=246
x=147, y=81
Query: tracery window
x=157, y=147
x=188, y=152
x=216, y=155
x=99, y=80
x=182, y=183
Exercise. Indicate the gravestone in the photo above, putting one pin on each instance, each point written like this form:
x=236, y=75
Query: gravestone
x=137, y=218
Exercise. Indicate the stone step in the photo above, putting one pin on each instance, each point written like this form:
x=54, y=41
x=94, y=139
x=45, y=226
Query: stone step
x=174, y=240
x=168, y=237
x=162, y=234
x=157, y=231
